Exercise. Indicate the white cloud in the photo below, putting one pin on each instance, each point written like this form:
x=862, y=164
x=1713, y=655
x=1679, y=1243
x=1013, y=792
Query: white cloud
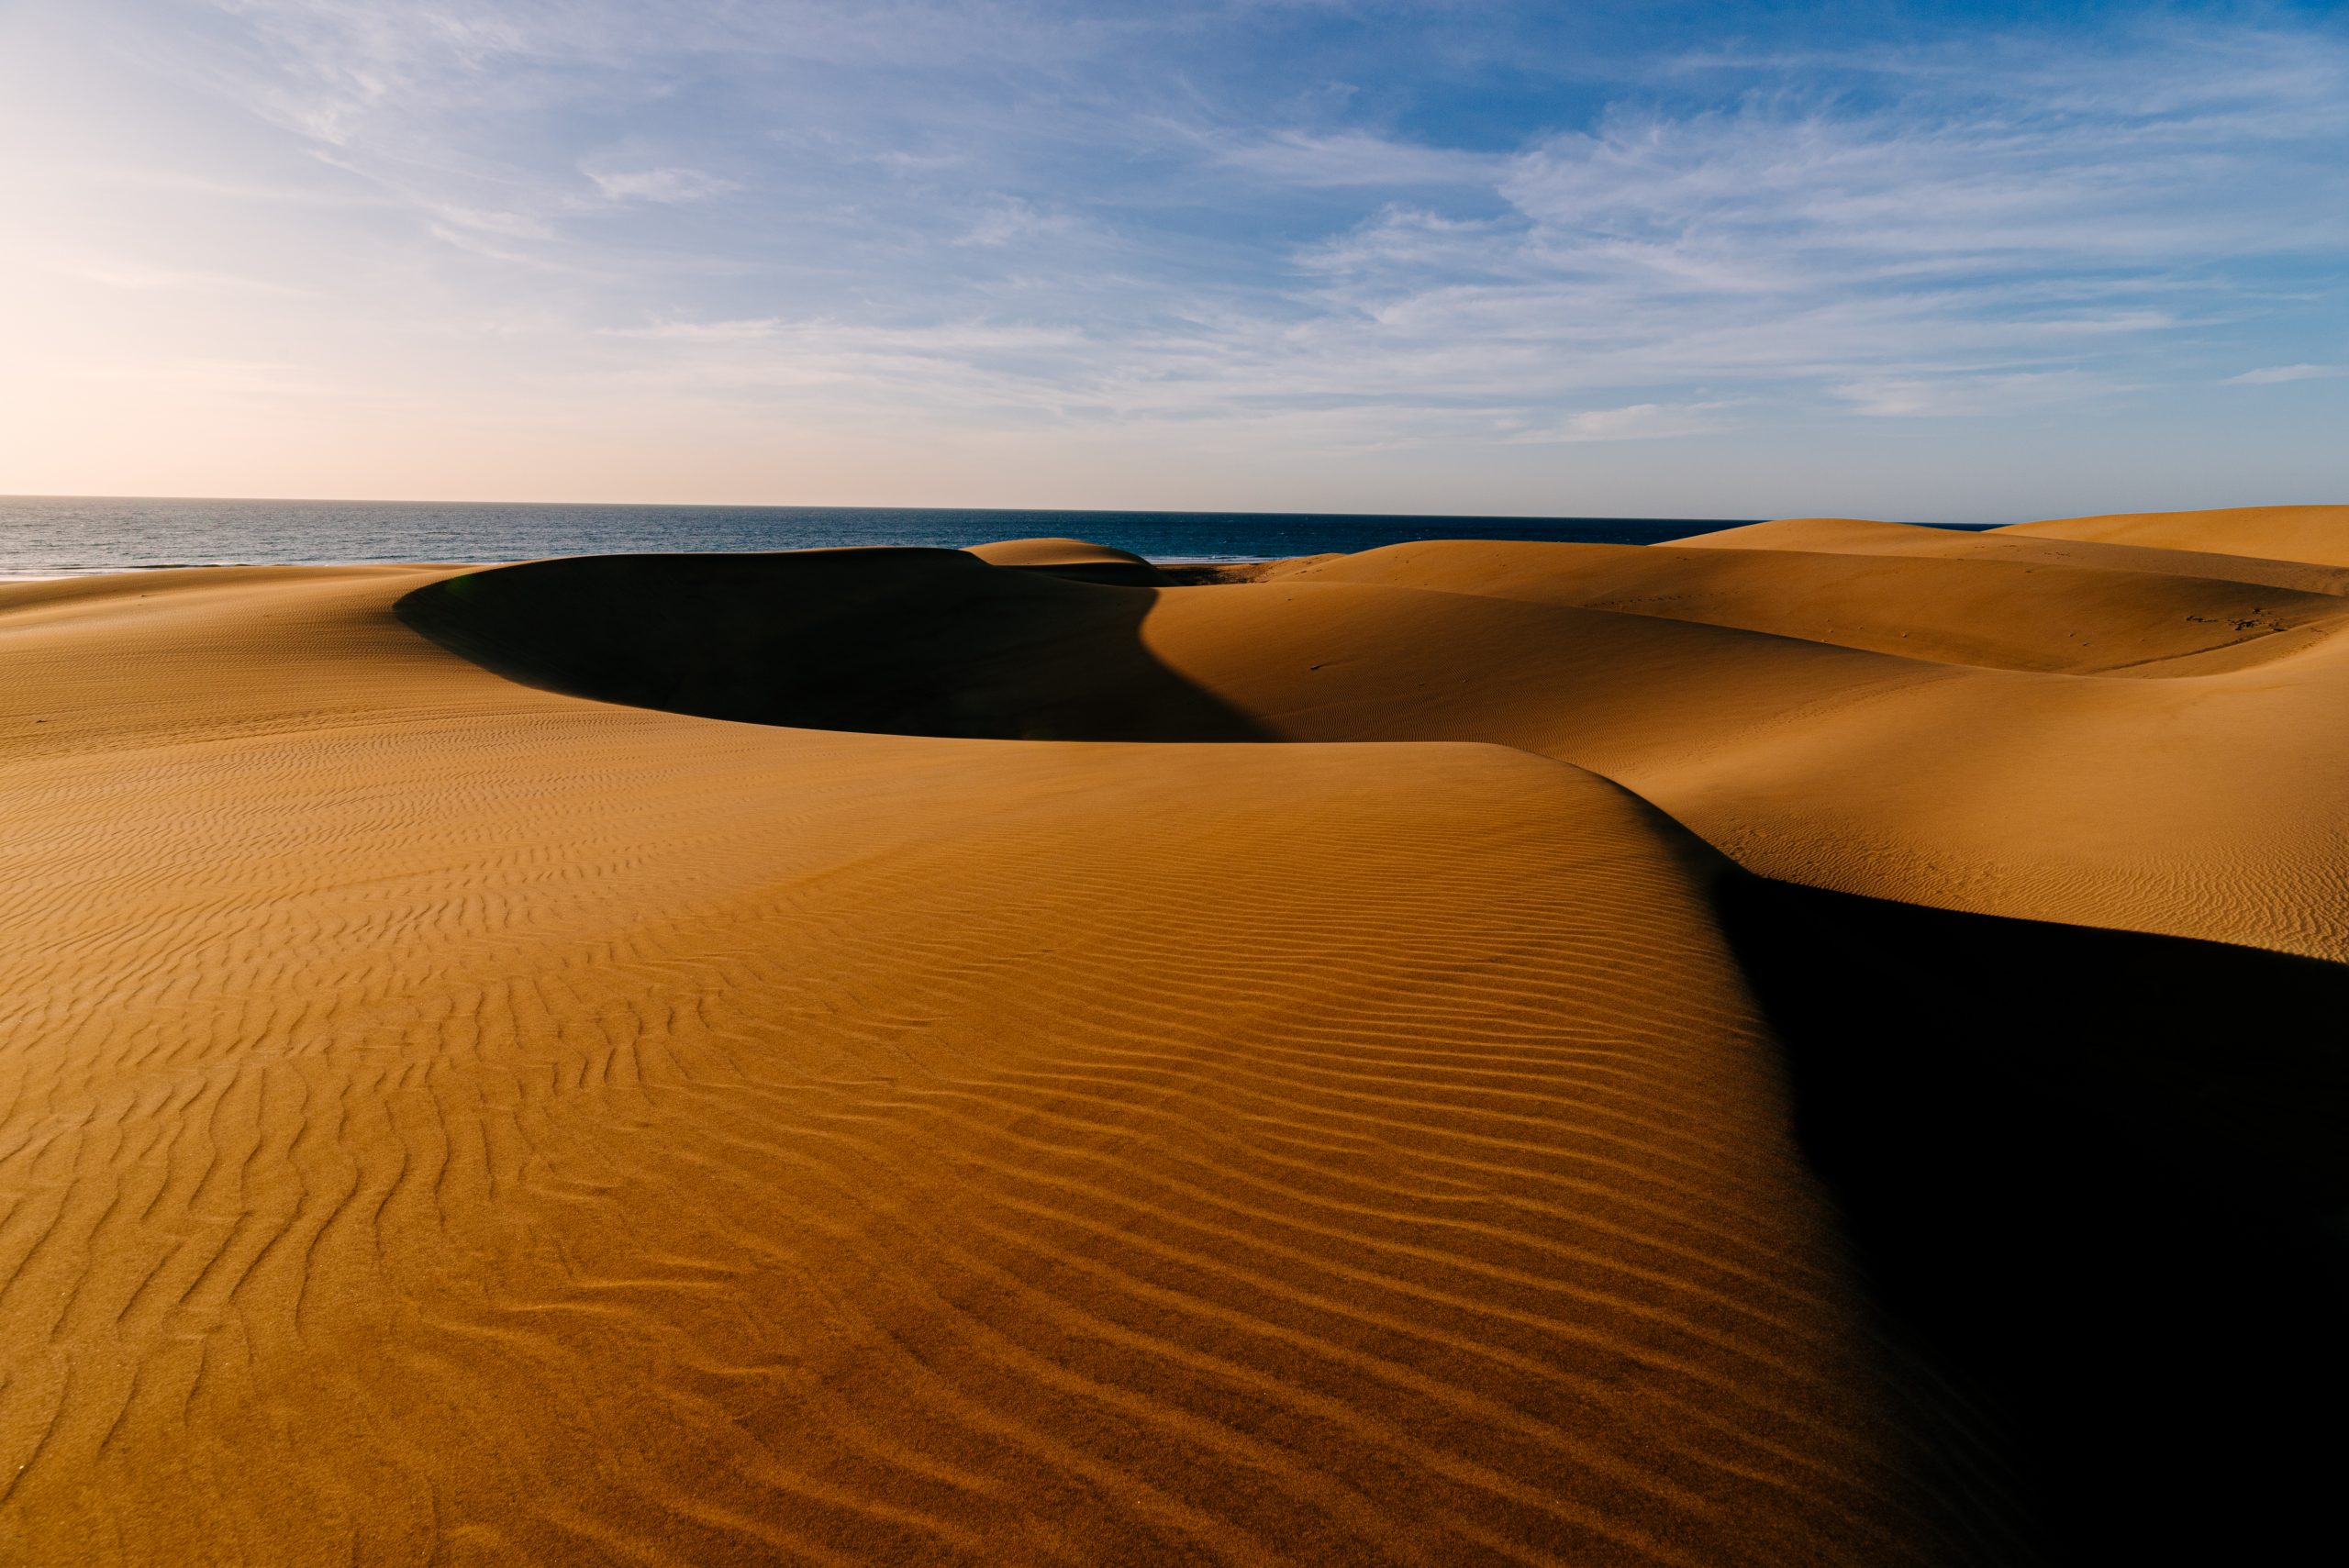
x=659, y=184
x=1010, y=220
x=1357, y=158
x=1973, y=241
x=134, y=276
x=747, y=330
x=1633, y=422
x=2274, y=374
x=480, y=220
x=897, y=160
x=1977, y=226
x=1943, y=396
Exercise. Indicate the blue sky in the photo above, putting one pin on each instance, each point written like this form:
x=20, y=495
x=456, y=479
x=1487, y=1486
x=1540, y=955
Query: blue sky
x=1686, y=260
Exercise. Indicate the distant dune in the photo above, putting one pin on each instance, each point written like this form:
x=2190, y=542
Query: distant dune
x=2319, y=534
x=1816, y=1044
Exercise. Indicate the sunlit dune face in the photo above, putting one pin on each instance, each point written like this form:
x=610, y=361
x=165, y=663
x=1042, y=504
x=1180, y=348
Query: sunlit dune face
x=1016, y=1054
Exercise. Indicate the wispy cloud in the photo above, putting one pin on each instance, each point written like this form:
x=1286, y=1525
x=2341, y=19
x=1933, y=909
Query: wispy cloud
x=1359, y=159
x=1943, y=396
x=1633, y=422
x=659, y=184
x=140, y=277
x=2275, y=374
x=747, y=330
x=1494, y=229
x=1963, y=244
x=1011, y=219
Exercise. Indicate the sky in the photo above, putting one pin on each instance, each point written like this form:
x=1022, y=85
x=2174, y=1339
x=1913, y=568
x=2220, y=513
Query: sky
x=1937, y=262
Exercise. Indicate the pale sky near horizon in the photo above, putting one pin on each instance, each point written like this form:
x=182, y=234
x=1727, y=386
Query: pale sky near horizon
x=1939, y=262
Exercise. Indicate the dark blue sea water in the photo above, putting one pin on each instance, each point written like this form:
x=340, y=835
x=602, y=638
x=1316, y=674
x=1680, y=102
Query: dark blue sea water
x=46, y=536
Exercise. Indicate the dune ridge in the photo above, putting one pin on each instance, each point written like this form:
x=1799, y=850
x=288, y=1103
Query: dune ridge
x=1800, y=745
x=2319, y=535
x=854, y=1056
x=1857, y=535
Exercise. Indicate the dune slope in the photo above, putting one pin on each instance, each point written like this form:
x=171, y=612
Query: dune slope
x=446, y=1120
x=1944, y=609
x=2319, y=535
x=2038, y=543
x=841, y=1058
x=2184, y=777
x=1077, y=559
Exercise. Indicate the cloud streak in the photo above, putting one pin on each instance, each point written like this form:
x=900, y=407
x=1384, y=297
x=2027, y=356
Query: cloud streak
x=659, y=184
x=2276, y=376
x=1232, y=227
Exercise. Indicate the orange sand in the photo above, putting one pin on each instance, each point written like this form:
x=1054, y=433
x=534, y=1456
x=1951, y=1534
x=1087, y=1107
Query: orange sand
x=446, y=1117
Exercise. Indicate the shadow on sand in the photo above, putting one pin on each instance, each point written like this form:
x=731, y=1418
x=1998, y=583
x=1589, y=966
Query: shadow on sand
x=2098, y=1176
x=901, y=641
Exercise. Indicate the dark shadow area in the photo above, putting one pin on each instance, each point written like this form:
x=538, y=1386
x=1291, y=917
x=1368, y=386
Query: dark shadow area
x=1114, y=574
x=903, y=641
x=2098, y=1177
x=1211, y=573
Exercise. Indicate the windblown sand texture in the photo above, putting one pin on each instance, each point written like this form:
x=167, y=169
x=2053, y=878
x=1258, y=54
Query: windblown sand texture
x=876, y=1056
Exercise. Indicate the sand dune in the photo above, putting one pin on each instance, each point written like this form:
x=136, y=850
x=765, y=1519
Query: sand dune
x=1839, y=766
x=1076, y=558
x=2205, y=804
x=1853, y=536
x=850, y=1057
x=1946, y=609
x=1054, y=553
x=2319, y=534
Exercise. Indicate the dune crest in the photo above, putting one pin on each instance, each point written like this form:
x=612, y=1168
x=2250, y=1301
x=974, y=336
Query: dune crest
x=1999, y=614
x=1853, y=536
x=1053, y=551
x=2316, y=534
x=1856, y=723
x=1076, y=558
x=870, y=1055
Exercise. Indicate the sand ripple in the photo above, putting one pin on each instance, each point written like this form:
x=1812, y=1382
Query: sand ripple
x=446, y=1120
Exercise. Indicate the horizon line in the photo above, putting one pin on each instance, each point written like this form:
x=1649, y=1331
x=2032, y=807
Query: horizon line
x=1072, y=511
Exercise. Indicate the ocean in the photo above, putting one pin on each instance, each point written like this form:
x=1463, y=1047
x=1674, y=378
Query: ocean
x=53, y=536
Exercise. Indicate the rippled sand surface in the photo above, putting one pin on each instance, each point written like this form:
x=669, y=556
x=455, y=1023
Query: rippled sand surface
x=909, y=1056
